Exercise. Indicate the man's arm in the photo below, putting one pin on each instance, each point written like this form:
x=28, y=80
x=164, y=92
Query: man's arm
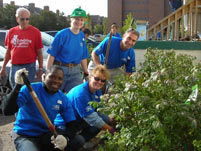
x=84, y=66
x=6, y=59
x=50, y=60
x=9, y=104
x=95, y=58
x=40, y=62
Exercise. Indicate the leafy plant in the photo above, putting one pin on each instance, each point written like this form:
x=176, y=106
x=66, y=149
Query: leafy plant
x=127, y=23
x=150, y=109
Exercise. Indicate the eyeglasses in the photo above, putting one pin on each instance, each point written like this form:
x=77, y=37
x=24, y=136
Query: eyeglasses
x=98, y=79
x=23, y=19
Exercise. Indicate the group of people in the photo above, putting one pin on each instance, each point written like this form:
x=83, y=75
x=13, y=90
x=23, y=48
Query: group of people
x=61, y=92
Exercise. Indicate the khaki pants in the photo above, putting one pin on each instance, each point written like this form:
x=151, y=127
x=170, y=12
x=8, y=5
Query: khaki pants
x=114, y=73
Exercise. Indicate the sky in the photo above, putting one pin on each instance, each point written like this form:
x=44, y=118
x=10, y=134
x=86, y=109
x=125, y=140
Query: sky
x=93, y=7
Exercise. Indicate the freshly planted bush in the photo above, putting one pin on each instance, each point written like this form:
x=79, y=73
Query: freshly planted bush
x=150, y=107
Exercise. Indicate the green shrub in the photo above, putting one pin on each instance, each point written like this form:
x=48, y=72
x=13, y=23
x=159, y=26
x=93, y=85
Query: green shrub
x=150, y=107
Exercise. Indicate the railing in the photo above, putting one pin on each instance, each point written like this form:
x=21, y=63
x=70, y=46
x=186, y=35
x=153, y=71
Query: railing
x=183, y=23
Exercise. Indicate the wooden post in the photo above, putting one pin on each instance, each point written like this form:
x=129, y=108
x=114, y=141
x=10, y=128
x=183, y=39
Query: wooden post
x=182, y=26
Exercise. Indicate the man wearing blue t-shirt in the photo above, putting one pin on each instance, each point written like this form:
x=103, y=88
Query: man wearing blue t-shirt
x=30, y=132
x=114, y=29
x=121, y=53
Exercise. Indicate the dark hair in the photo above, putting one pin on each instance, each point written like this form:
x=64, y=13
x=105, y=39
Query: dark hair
x=87, y=31
x=135, y=32
x=114, y=25
x=53, y=68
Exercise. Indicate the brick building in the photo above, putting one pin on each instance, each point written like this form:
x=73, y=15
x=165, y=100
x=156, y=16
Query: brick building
x=150, y=11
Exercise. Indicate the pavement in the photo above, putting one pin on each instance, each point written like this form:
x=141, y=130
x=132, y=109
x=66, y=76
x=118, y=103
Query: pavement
x=6, y=125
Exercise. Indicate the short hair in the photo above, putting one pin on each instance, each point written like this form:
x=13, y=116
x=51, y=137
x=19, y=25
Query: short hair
x=101, y=69
x=114, y=25
x=87, y=31
x=135, y=32
x=53, y=68
x=20, y=10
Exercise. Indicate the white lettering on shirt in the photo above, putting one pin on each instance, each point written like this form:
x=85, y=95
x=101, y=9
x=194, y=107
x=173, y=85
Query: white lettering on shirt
x=20, y=43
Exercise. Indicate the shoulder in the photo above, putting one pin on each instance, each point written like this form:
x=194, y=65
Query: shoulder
x=13, y=29
x=33, y=28
x=82, y=34
x=37, y=85
x=116, y=39
x=79, y=91
x=131, y=51
x=62, y=33
x=119, y=35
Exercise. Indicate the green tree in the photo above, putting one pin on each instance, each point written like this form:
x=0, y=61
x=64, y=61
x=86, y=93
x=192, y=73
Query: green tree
x=9, y=19
x=34, y=20
x=127, y=23
x=47, y=20
x=105, y=26
x=98, y=29
x=61, y=21
x=88, y=22
x=1, y=17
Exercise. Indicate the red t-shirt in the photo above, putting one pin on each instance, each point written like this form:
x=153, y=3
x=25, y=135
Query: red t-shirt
x=23, y=44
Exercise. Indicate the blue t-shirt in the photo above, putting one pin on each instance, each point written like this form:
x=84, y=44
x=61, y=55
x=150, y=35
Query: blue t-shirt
x=29, y=120
x=117, y=57
x=80, y=96
x=115, y=35
x=68, y=47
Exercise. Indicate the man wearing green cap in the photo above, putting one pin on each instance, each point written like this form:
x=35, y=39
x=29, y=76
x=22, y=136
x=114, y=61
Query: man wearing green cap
x=69, y=49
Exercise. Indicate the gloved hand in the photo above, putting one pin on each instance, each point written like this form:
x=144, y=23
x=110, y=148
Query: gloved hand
x=59, y=142
x=18, y=76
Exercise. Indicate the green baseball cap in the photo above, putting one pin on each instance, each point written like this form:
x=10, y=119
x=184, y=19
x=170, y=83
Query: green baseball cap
x=78, y=12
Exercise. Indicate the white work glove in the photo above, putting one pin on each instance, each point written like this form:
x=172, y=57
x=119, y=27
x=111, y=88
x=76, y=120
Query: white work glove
x=18, y=76
x=59, y=142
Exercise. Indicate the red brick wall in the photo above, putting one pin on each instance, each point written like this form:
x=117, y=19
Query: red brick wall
x=114, y=13
x=148, y=10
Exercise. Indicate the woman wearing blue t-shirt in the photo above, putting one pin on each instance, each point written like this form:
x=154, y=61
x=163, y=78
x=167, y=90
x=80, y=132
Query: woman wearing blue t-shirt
x=89, y=122
x=69, y=50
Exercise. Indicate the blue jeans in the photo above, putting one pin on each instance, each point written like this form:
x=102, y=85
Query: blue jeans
x=38, y=143
x=72, y=77
x=31, y=68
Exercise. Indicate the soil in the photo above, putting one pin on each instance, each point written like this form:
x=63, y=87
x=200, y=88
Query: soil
x=6, y=125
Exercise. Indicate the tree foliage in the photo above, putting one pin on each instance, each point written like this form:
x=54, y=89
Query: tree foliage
x=88, y=22
x=127, y=23
x=98, y=29
x=105, y=26
x=46, y=20
x=7, y=16
x=150, y=107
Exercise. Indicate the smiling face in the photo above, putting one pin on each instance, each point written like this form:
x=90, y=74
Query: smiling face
x=53, y=80
x=129, y=40
x=98, y=77
x=77, y=22
x=96, y=81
